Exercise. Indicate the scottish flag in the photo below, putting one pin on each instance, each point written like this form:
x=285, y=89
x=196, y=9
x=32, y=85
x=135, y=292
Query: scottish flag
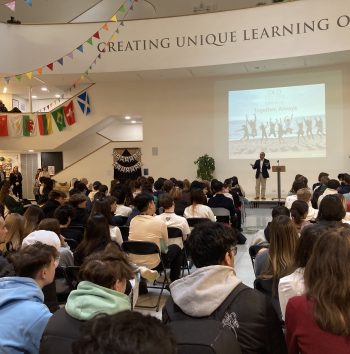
x=84, y=103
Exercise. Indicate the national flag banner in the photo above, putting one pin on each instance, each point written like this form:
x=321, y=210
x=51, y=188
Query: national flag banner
x=11, y=5
x=16, y=124
x=3, y=126
x=29, y=125
x=84, y=103
x=45, y=124
x=69, y=113
x=58, y=116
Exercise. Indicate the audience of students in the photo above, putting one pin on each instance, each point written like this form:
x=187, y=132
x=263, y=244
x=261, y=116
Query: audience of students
x=198, y=207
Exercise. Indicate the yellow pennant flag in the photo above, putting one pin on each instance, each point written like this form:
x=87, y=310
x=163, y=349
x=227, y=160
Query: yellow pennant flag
x=114, y=18
x=29, y=75
x=113, y=37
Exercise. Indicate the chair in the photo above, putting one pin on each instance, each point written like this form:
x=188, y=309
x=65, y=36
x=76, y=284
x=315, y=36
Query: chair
x=192, y=222
x=143, y=248
x=72, y=273
x=222, y=215
x=63, y=287
x=174, y=232
x=72, y=243
x=124, y=230
x=254, y=250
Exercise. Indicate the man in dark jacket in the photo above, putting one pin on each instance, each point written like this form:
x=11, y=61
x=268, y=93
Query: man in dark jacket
x=203, y=293
x=261, y=166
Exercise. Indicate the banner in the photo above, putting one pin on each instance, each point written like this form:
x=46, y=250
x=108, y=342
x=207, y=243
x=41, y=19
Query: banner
x=16, y=123
x=69, y=113
x=3, y=126
x=58, y=116
x=84, y=103
x=45, y=124
x=29, y=126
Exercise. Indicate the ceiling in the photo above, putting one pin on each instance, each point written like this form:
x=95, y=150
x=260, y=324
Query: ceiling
x=65, y=11
x=68, y=11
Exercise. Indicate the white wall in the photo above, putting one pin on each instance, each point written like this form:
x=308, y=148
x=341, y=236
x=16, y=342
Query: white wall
x=185, y=119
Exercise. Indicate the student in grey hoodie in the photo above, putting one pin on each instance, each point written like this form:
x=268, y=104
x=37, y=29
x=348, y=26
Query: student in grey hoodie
x=103, y=278
x=201, y=294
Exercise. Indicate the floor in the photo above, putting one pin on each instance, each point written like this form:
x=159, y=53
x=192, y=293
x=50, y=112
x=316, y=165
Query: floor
x=256, y=219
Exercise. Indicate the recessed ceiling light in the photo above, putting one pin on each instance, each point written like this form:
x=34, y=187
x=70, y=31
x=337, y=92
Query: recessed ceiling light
x=4, y=90
x=30, y=150
x=57, y=96
x=127, y=117
x=34, y=96
x=133, y=121
x=44, y=89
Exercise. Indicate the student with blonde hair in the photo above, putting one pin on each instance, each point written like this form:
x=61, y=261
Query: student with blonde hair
x=15, y=232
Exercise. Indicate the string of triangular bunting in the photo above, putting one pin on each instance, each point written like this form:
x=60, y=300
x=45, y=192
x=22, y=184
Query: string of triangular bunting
x=28, y=124
x=98, y=57
x=80, y=48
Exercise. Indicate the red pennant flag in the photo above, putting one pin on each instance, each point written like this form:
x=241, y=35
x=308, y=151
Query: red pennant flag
x=69, y=113
x=50, y=66
x=97, y=35
x=3, y=126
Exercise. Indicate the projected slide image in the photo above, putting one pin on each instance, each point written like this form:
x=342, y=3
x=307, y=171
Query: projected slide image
x=285, y=122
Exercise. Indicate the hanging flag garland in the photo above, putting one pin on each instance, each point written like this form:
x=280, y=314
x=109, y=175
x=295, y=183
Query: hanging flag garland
x=129, y=169
x=12, y=5
x=134, y=157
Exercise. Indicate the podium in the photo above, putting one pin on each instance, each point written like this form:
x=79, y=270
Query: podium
x=278, y=169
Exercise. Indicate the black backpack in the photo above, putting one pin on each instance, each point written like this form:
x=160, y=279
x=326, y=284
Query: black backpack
x=204, y=335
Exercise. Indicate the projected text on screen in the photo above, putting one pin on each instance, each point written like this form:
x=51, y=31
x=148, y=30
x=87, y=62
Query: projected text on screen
x=285, y=122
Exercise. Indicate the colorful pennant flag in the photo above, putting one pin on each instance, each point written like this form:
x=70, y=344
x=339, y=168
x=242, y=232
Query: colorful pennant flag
x=16, y=123
x=3, y=126
x=58, y=116
x=7, y=79
x=70, y=55
x=29, y=2
x=11, y=5
x=105, y=27
x=60, y=61
x=19, y=77
x=50, y=66
x=89, y=41
x=45, y=124
x=113, y=18
x=96, y=35
x=29, y=126
x=121, y=8
x=81, y=48
x=39, y=70
x=69, y=113
x=84, y=103
x=29, y=75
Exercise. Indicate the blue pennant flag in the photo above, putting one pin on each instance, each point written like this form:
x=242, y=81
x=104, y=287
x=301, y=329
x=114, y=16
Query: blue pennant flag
x=84, y=103
x=28, y=2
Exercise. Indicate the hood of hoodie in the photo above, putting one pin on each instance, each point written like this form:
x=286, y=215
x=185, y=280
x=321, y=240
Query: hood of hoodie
x=202, y=292
x=90, y=299
x=16, y=289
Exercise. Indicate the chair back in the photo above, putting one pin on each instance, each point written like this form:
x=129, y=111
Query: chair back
x=72, y=273
x=222, y=215
x=124, y=230
x=140, y=247
x=195, y=221
x=174, y=232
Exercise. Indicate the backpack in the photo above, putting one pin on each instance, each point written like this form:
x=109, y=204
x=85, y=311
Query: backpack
x=204, y=335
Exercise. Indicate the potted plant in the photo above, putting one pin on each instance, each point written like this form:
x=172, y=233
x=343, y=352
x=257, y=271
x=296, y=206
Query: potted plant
x=205, y=167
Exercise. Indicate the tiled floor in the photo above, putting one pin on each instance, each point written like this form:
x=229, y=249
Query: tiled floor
x=256, y=219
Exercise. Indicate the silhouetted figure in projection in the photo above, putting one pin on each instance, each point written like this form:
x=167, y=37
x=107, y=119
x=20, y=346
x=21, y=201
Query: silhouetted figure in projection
x=263, y=132
x=319, y=126
x=245, y=132
x=272, y=128
x=288, y=125
x=300, y=131
x=280, y=131
x=252, y=125
x=308, y=123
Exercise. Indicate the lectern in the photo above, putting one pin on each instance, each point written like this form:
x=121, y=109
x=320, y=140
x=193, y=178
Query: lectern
x=278, y=169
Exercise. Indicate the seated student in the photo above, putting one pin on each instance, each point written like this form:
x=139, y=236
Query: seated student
x=344, y=187
x=22, y=312
x=121, y=210
x=64, y=214
x=78, y=202
x=331, y=211
x=95, y=186
x=219, y=200
x=319, y=320
x=332, y=186
x=203, y=293
x=298, y=213
x=173, y=220
x=32, y=216
x=103, y=277
x=9, y=201
x=304, y=194
x=126, y=332
x=55, y=199
x=14, y=224
x=198, y=207
x=180, y=203
x=319, y=188
x=145, y=227
x=297, y=184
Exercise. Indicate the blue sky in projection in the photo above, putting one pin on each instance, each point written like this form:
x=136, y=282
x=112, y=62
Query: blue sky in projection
x=274, y=104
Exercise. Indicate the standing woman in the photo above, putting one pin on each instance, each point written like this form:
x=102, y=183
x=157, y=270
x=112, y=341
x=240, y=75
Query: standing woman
x=16, y=182
x=319, y=321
